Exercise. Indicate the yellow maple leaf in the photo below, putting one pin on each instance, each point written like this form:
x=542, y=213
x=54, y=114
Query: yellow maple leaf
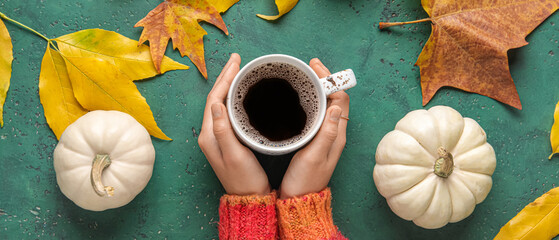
x=109, y=89
x=125, y=54
x=284, y=6
x=88, y=70
x=57, y=97
x=178, y=20
x=538, y=220
x=6, y=57
x=554, y=136
x=94, y=70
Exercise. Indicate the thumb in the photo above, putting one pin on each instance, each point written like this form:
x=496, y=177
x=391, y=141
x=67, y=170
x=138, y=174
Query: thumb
x=222, y=129
x=328, y=131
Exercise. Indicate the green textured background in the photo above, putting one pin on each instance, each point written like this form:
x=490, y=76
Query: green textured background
x=181, y=199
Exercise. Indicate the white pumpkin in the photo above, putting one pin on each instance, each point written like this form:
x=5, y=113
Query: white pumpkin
x=103, y=160
x=434, y=167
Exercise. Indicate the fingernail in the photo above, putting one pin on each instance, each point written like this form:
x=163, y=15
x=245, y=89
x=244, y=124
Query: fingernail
x=335, y=114
x=216, y=110
x=233, y=55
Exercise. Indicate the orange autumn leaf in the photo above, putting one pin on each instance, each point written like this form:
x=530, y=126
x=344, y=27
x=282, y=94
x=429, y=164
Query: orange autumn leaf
x=178, y=20
x=469, y=41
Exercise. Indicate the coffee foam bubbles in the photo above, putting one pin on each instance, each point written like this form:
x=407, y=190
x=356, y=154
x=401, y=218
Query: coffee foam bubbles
x=307, y=91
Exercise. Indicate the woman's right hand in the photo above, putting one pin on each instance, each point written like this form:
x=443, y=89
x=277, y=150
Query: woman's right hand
x=235, y=165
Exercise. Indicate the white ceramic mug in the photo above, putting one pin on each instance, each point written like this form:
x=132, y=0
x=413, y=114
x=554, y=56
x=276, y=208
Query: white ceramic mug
x=324, y=86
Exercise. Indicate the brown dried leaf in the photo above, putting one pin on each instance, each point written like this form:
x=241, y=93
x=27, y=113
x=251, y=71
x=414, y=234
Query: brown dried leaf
x=179, y=20
x=468, y=45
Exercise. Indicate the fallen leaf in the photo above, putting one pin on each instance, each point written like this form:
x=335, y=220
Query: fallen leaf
x=124, y=53
x=554, y=136
x=6, y=57
x=178, y=20
x=469, y=41
x=101, y=66
x=284, y=6
x=99, y=85
x=55, y=90
x=538, y=220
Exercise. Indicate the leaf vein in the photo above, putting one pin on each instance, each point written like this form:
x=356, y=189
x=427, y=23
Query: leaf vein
x=100, y=87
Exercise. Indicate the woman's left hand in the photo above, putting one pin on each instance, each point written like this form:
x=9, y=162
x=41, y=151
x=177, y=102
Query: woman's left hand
x=312, y=167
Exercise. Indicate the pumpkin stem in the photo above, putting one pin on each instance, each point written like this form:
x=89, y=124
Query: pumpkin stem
x=445, y=164
x=100, y=162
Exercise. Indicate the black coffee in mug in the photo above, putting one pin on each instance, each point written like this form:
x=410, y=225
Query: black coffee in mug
x=276, y=104
x=273, y=108
x=269, y=119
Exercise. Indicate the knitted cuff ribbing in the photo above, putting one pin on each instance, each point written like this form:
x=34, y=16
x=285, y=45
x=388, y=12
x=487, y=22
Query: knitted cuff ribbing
x=307, y=217
x=248, y=217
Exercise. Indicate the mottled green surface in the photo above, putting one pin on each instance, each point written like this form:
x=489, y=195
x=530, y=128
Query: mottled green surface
x=181, y=200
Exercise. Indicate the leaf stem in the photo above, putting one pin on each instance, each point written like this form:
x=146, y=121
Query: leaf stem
x=383, y=25
x=2, y=15
x=54, y=46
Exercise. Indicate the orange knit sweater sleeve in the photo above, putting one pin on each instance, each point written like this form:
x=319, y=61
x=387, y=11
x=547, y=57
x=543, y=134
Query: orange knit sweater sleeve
x=307, y=217
x=248, y=217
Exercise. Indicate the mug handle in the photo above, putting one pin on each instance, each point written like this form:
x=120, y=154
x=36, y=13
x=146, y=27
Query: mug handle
x=338, y=81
